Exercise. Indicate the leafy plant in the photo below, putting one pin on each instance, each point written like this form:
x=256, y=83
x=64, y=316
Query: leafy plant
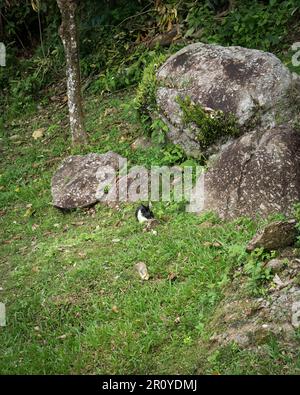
x=258, y=274
x=173, y=154
x=210, y=126
x=158, y=131
x=253, y=24
x=145, y=101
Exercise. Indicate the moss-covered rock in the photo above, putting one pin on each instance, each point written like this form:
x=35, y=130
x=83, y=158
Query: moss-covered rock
x=210, y=125
x=250, y=86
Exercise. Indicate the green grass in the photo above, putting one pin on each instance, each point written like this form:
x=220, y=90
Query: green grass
x=272, y=359
x=75, y=303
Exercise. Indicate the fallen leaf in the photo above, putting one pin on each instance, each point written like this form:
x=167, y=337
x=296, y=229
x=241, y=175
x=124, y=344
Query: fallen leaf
x=115, y=309
x=29, y=212
x=46, y=234
x=109, y=111
x=38, y=133
x=216, y=244
x=34, y=226
x=172, y=276
x=207, y=244
x=80, y=223
x=12, y=239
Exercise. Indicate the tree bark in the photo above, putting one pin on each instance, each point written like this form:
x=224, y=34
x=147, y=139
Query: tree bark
x=68, y=34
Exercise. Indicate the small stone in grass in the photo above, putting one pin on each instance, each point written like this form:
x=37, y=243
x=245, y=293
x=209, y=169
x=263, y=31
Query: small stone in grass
x=142, y=270
x=276, y=265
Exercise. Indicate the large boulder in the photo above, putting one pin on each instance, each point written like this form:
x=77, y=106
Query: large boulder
x=256, y=175
x=279, y=234
x=77, y=180
x=252, y=85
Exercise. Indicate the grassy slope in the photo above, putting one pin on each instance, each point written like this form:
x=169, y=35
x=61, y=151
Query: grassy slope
x=74, y=301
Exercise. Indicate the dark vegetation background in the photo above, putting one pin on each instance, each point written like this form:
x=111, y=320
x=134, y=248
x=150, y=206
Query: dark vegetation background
x=118, y=38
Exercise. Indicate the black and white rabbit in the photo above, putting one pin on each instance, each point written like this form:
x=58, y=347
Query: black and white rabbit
x=143, y=214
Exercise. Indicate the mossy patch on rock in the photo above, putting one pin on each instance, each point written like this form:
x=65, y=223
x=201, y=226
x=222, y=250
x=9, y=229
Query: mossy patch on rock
x=211, y=125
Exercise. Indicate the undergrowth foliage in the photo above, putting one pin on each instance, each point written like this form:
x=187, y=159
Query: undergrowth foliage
x=145, y=100
x=211, y=126
x=263, y=25
x=257, y=273
x=114, y=40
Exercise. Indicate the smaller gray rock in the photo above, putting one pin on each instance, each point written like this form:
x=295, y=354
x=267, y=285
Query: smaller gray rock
x=277, y=280
x=279, y=234
x=76, y=181
x=276, y=265
x=242, y=339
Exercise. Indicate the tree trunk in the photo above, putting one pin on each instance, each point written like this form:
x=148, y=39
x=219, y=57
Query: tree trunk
x=68, y=34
